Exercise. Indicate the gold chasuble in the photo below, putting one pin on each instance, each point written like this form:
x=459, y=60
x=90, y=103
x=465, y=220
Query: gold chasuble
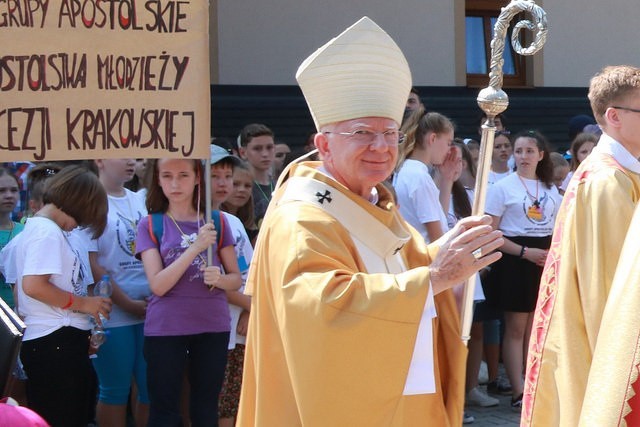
x=613, y=392
x=580, y=366
x=332, y=334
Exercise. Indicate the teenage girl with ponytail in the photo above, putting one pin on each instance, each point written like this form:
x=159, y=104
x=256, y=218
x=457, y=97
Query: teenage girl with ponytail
x=427, y=143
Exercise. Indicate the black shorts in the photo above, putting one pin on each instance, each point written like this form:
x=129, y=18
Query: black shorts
x=513, y=283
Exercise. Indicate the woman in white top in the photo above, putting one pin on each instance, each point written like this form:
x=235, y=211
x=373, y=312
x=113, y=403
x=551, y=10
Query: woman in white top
x=581, y=146
x=502, y=151
x=524, y=206
x=427, y=143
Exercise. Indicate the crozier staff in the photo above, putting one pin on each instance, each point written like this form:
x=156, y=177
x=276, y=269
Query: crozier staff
x=353, y=321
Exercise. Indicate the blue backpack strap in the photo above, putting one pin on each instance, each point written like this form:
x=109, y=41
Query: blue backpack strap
x=218, y=223
x=156, y=228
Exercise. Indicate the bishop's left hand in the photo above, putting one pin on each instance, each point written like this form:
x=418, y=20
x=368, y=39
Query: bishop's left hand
x=467, y=248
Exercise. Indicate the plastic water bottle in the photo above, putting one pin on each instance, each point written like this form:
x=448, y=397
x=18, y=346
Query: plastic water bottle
x=104, y=289
x=98, y=336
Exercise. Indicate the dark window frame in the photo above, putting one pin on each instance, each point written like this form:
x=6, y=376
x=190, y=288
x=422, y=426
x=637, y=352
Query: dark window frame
x=487, y=9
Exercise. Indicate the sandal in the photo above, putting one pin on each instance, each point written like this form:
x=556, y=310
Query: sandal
x=516, y=403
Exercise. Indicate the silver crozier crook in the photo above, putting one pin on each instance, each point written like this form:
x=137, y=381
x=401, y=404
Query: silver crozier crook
x=493, y=101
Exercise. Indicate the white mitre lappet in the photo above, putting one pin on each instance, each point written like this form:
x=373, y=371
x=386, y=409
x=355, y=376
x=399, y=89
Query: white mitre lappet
x=360, y=73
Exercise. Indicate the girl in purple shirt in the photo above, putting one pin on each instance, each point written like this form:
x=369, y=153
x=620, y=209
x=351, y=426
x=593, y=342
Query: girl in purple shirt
x=187, y=320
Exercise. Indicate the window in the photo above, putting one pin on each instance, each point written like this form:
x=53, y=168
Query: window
x=480, y=17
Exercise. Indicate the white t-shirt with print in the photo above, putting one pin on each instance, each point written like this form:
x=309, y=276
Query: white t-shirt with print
x=78, y=238
x=42, y=250
x=418, y=197
x=116, y=253
x=244, y=253
x=509, y=200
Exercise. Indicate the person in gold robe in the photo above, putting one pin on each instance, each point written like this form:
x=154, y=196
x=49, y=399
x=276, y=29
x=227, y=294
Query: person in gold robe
x=569, y=325
x=616, y=358
x=353, y=321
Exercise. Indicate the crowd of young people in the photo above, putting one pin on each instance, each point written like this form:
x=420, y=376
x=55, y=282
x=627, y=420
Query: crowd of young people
x=175, y=324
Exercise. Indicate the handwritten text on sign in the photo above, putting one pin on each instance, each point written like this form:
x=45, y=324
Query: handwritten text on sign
x=104, y=79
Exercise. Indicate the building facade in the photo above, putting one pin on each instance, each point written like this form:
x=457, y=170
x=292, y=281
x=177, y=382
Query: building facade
x=257, y=45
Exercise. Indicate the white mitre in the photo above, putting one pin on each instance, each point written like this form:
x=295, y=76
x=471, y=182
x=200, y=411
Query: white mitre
x=360, y=73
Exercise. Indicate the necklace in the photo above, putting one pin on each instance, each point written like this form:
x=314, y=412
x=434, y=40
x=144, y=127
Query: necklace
x=187, y=240
x=534, y=212
x=267, y=198
x=534, y=199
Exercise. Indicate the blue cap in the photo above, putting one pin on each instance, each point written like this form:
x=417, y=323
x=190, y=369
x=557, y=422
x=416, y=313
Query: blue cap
x=218, y=153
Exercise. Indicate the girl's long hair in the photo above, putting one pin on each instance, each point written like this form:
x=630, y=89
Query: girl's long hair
x=578, y=142
x=156, y=200
x=544, y=169
x=245, y=212
x=460, y=197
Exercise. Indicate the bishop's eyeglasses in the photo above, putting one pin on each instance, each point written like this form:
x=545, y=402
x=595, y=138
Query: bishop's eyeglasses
x=392, y=137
